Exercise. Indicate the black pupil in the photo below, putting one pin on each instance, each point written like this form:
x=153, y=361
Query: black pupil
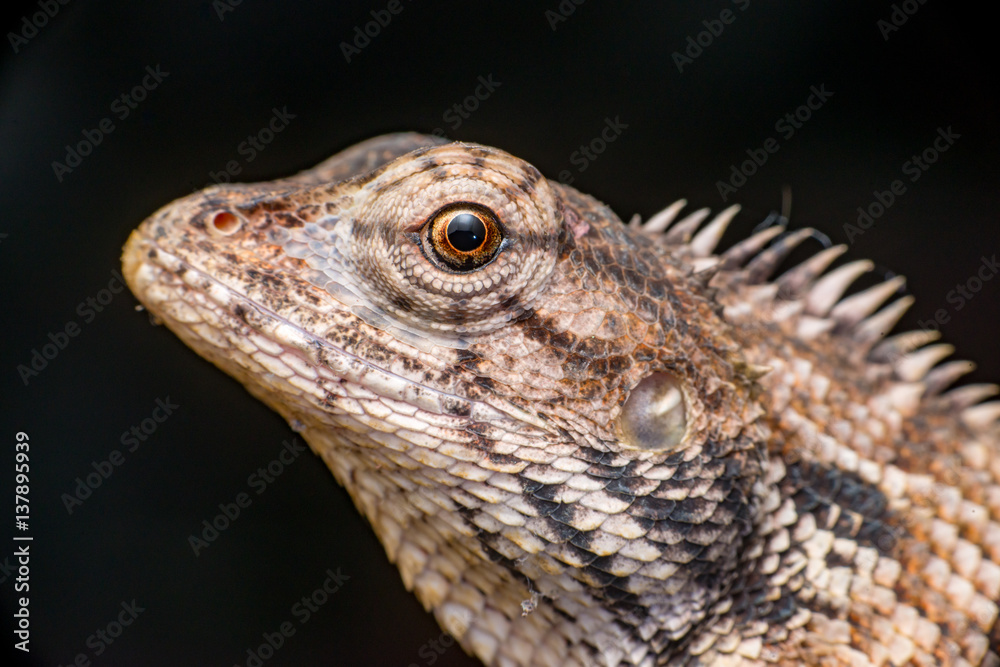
x=466, y=232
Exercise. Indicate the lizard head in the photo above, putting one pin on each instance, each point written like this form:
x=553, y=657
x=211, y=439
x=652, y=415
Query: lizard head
x=500, y=372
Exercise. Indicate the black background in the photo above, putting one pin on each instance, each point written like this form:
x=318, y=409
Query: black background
x=556, y=88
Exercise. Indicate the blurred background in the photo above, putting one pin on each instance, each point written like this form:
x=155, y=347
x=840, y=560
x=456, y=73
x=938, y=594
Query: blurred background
x=164, y=97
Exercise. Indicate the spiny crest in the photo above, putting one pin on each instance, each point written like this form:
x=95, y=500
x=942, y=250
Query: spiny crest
x=814, y=297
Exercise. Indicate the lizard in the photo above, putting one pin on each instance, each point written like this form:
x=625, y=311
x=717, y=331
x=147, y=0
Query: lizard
x=586, y=442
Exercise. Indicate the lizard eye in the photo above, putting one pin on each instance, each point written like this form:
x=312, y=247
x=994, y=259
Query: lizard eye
x=655, y=414
x=464, y=236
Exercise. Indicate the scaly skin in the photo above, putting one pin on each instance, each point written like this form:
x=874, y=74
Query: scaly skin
x=599, y=444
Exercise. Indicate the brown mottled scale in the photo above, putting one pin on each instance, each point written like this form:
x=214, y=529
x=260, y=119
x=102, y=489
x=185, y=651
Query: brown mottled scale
x=590, y=443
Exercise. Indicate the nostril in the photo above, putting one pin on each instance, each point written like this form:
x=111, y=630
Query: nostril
x=226, y=223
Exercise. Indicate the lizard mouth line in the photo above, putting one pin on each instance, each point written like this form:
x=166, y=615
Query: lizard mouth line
x=287, y=350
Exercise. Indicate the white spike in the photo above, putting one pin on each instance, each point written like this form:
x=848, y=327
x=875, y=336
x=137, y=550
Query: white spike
x=764, y=264
x=682, y=231
x=902, y=343
x=970, y=394
x=760, y=294
x=941, y=377
x=699, y=264
x=809, y=327
x=828, y=289
x=737, y=255
x=915, y=365
x=858, y=306
x=882, y=322
x=905, y=397
x=982, y=417
x=800, y=276
x=708, y=238
x=635, y=221
x=662, y=220
x=782, y=310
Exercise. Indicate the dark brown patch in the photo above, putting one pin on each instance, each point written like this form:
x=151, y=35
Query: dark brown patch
x=537, y=333
x=401, y=302
x=843, y=503
x=563, y=340
x=458, y=408
x=593, y=348
x=361, y=231
x=439, y=174
x=533, y=175
x=288, y=219
x=267, y=206
x=575, y=366
x=485, y=383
